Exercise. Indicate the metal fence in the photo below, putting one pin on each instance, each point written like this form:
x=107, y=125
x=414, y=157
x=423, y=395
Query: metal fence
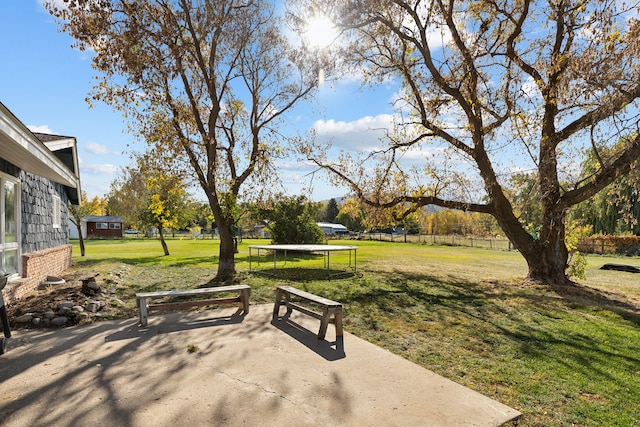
x=602, y=247
x=432, y=239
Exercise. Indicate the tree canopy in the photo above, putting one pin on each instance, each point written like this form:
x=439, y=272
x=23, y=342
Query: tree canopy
x=489, y=87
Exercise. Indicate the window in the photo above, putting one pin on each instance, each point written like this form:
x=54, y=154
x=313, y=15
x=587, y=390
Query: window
x=102, y=225
x=9, y=223
x=114, y=225
x=56, y=212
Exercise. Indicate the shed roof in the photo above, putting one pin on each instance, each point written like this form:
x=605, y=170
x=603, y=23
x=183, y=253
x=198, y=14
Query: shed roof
x=103, y=218
x=332, y=225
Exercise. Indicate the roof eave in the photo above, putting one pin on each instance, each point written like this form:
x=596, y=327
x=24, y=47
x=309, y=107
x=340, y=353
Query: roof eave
x=20, y=147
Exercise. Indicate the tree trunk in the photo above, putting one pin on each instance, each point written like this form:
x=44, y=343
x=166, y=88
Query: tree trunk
x=548, y=265
x=162, y=242
x=547, y=255
x=81, y=240
x=226, y=263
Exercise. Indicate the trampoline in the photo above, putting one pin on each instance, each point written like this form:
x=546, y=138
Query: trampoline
x=284, y=250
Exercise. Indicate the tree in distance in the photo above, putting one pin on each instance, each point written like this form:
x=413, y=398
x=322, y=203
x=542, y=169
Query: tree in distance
x=291, y=221
x=151, y=197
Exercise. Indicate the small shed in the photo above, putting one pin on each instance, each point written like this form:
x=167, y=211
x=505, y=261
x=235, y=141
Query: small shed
x=330, y=229
x=104, y=227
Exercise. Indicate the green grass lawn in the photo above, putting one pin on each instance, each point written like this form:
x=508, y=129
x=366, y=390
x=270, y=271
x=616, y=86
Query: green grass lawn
x=461, y=312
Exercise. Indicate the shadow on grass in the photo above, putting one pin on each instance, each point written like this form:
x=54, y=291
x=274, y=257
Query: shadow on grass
x=299, y=274
x=405, y=289
x=159, y=260
x=570, y=334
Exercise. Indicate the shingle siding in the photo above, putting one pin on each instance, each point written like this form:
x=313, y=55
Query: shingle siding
x=38, y=232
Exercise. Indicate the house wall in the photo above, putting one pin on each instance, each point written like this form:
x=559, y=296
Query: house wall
x=45, y=248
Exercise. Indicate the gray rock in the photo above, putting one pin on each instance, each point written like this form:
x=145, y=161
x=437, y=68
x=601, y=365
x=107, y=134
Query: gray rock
x=59, y=321
x=25, y=318
x=92, y=307
x=65, y=304
x=78, y=308
x=36, y=321
x=93, y=286
x=64, y=310
x=49, y=314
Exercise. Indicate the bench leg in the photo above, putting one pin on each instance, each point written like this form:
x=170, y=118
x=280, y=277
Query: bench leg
x=142, y=304
x=287, y=300
x=276, y=306
x=244, y=296
x=337, y=318
x=324, y=322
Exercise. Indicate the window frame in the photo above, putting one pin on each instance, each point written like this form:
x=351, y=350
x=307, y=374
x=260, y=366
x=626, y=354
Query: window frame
x=56, y=210
x=15, y=246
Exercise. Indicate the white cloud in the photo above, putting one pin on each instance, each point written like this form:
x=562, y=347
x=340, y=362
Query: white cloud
x=96, y=148
x=357, y=135
x=530, y=88
x=100, y=169
x=367, y=135
x=41, y=129
x=438, y=37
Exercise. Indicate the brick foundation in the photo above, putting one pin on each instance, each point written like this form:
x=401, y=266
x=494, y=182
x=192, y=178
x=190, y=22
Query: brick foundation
x=36, y=266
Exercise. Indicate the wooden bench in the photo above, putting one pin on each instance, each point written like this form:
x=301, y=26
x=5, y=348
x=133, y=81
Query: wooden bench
x=141, y=299
x=331, y=310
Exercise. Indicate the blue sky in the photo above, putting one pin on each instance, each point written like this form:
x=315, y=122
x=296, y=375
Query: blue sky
x=44, y=82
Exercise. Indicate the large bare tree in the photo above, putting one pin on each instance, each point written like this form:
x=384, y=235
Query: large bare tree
x=487, y=82
x=209, y=80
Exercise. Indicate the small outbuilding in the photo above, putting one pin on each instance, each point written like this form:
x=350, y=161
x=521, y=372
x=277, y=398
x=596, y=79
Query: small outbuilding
x=104, y=227
x=330, y=229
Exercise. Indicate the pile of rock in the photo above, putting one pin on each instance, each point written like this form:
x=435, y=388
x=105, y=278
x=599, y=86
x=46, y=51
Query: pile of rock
x=80, y=307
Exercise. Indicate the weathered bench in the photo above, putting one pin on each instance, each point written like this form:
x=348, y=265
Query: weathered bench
x=331, y=310
x=141, y=299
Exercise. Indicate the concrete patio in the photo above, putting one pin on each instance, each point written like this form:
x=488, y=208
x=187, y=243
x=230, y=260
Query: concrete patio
x=241, y=371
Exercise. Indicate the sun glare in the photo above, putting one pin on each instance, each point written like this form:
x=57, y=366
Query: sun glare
x=320, y=31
